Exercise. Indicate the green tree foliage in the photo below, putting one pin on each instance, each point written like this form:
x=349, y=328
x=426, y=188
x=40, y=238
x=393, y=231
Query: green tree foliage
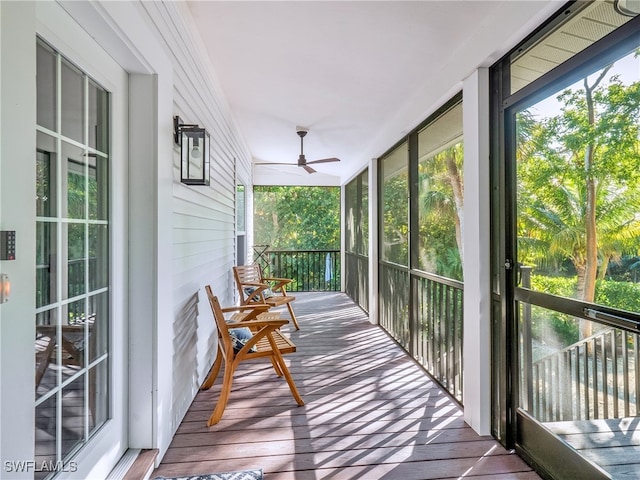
x=579, y=182
x=395, y=216
x=297, y=218
x=440, y=214
x=579, y=196
x=621, y=295
x=441, y=202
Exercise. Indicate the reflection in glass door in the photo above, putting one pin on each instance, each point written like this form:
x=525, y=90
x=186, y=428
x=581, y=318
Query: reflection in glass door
x=578, y=250
x=72, y=271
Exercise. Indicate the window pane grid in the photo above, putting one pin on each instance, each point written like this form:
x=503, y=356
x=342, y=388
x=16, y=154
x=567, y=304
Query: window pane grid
x=72, y=303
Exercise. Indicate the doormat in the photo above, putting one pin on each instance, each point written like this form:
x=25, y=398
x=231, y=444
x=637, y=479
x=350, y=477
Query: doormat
x=239, y=475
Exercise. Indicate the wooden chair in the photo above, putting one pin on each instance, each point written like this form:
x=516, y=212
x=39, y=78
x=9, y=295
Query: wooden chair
x=253, y=287
x=266, y=342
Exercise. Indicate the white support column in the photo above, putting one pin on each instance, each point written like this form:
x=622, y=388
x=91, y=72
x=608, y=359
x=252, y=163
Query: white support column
x=142, y=254
x=151, y=424
x=373, y=241
x=477, y=284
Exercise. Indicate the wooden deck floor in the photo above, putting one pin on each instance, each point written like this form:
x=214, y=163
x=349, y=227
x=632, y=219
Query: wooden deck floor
x=370, y=413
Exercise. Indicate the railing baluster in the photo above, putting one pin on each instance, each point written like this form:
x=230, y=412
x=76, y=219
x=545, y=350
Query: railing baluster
x=636, y=373
x=555, y=395
x=625, y=371
x=596, y=397
x=587, y=397
x=563, y=410
x=605, y=383
x=547, y=390
x=533, y=405
x=578, y=384
x=614, y=364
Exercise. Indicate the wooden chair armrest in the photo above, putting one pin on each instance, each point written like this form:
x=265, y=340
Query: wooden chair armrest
x=253, y=306
x=280, y=284
x=254, y=309
x=276, y=279
x=257, y=323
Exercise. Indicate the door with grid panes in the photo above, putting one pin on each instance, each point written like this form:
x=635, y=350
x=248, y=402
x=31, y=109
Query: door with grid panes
x=79, y=388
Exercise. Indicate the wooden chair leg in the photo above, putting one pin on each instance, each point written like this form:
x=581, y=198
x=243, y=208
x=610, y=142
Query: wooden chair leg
x=213, y=373
x=288, y=377
x=293, y=316
x=216, y=415
x=276, y=367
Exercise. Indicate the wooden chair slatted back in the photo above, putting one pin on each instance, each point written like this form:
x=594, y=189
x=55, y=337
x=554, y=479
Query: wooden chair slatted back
x=249, y=273
x=223, y=329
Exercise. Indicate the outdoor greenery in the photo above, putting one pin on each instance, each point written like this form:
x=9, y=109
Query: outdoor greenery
x=616, y=294
x=441, y=218
x=395, y=219
x=578, y=201
x=440, y=212
x=579, y=195
x=302, y=221
x=297, y=218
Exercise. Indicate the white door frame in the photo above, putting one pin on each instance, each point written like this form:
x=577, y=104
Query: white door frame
x=58, y=29
x=120, y=28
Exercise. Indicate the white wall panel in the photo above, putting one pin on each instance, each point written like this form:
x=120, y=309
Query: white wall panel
x=17, y=191
x=182, y=237
x=203, y=218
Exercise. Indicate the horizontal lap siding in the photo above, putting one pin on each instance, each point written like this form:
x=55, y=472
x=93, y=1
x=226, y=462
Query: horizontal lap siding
x=203, y=217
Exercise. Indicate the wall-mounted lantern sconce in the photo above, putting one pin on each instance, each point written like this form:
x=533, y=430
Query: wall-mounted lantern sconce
x=5, y=288
x=194, y=152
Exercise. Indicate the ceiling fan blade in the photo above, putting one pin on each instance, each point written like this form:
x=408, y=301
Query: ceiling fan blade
x=308, y=169
x=324, y=160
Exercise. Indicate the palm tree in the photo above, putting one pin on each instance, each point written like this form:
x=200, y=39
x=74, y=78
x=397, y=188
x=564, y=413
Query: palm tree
x=442, y=202
x=578, y=182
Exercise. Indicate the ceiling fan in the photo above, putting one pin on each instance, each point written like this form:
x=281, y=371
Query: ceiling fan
x=302, y=160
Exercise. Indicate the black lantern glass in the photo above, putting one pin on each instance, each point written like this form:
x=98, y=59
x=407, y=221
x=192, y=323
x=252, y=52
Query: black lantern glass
x=194, y=153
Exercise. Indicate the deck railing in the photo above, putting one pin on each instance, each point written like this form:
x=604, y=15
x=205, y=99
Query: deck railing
x=310, y=270
x=440, y=320
x=75, y=276
x=76, y=285
x=431, y=331
x=595, y=378
x=356, y=283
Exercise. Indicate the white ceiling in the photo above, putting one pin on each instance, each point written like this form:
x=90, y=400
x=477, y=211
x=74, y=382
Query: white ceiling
x=358, y=74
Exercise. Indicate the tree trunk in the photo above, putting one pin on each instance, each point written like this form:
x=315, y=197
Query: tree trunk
x=586, y=327
x=591, y=232
x=457, y=185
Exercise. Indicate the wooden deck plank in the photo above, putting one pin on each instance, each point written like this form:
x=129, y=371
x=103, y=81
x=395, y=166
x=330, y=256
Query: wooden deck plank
x=371, y=412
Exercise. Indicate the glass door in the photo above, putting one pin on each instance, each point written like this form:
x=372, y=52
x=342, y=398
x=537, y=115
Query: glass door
x=72, y=347
x=576, y=151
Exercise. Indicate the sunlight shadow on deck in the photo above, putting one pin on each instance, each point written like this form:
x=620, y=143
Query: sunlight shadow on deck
x=371, y=412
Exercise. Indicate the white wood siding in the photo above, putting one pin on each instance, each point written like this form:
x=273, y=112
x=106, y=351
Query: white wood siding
x=203, y=217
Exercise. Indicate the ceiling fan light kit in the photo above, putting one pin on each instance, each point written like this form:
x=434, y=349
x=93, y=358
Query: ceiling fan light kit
x=302, y=160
